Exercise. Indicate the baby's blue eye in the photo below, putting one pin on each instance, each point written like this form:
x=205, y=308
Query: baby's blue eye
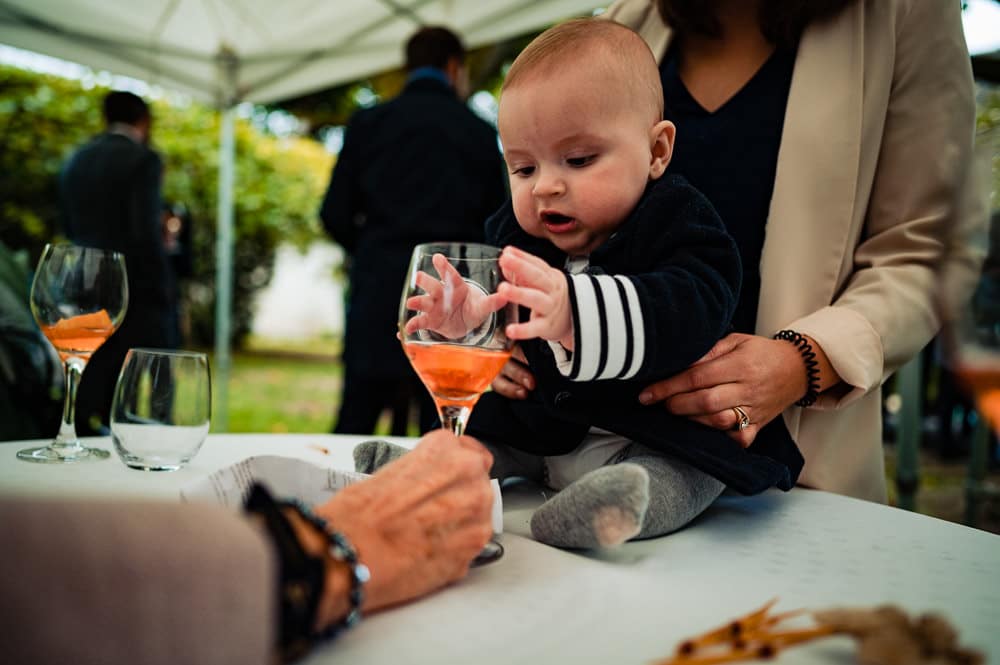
x=577, y=162
x=524, y=171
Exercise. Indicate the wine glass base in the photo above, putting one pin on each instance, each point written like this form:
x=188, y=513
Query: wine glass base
x=490, y=553
x=51, y=455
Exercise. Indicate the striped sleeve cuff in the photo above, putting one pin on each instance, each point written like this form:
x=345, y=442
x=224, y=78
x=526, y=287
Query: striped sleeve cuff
x=610, y=343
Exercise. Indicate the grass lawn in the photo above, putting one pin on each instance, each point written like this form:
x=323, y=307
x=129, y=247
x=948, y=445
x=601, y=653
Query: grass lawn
x=283, y=393
x=278, y=386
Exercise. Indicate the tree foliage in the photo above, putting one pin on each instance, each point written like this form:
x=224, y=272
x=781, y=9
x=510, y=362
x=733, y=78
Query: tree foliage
x=279, y=182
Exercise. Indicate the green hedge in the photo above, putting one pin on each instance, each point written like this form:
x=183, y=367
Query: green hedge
x=279, y=183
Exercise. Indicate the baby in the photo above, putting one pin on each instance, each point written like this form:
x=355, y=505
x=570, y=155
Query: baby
x=630, y=276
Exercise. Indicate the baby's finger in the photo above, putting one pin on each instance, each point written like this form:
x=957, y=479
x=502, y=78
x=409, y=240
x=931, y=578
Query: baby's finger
x=429, y=284
x=420, y=303
x=447, y=271
x=537, y=301
x=418, y=322
x=521, y=255
x=491, y=303
x=524, y=269
x=530, y=330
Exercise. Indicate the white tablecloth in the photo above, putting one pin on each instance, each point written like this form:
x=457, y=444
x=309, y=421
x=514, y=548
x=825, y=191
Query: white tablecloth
x=542, y=605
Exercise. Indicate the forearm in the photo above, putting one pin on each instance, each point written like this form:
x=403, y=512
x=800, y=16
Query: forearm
x=334, y=603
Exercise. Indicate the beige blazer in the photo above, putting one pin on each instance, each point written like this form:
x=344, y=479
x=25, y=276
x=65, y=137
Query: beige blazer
x=871, y=180
x=103, y=582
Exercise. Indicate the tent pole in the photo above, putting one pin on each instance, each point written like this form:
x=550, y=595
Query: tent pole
x=228, y=68
x=224, y=270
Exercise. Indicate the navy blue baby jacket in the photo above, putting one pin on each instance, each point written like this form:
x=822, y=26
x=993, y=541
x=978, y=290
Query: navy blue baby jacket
x=656, y=297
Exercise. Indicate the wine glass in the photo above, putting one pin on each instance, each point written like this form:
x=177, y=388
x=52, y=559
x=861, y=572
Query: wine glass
x=452, y=324
x=969, y=303
x=453, y=327
x=78, y=298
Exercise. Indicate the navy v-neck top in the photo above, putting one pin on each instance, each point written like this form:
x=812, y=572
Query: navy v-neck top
x=731, y=155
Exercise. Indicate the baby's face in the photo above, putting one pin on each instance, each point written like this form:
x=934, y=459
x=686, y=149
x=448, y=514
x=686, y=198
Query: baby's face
x=579, y=156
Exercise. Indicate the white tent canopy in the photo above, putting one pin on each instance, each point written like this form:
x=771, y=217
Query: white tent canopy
x=277, y=48
x=227, y=51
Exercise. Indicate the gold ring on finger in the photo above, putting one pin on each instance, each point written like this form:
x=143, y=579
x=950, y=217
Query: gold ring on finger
x=742, y=419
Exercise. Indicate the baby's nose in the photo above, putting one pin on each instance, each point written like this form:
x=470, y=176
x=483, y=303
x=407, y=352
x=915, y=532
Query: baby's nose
x=549, y=184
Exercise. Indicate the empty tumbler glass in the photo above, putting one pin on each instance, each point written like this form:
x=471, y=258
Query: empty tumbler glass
x=161, y=410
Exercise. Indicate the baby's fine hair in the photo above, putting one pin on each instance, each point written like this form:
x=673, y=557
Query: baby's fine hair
x=599, y=44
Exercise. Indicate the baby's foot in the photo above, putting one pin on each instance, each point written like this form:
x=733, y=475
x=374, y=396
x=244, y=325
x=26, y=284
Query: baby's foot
x=370, y=456
x=603, y=508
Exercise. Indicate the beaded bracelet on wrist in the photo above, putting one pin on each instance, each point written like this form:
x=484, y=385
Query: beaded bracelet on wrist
x=302, y=576
x=812, y=367
x=339, y=549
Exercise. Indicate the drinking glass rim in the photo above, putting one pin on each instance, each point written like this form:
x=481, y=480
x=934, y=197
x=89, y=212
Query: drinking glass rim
x=72, y=245
x=422, y=250
x=180, y=353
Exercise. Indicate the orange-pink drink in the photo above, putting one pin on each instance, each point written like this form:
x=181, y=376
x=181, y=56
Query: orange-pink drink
x=80, y=335
x=455, y=375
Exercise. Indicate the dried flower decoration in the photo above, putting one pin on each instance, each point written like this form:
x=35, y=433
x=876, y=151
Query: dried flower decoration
x=885, y=635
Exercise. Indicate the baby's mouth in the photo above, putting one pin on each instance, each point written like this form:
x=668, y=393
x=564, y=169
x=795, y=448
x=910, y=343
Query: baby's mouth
x=557, y=222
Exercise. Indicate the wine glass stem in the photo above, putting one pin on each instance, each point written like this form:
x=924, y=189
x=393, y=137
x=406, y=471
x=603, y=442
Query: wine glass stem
x=67, y=440
x=453, y=418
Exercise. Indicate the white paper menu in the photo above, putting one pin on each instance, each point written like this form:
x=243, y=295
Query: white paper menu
x=288, y=477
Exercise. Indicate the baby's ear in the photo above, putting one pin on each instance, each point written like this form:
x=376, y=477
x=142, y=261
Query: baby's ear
x=661, y=143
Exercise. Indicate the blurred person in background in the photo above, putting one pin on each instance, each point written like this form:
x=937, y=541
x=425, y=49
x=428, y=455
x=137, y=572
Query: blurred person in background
x=419, y=168
x=109, y=195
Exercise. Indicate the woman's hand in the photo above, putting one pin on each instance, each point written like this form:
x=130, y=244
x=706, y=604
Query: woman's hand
x=420, y=520
x=515, y=380
x=761, y=376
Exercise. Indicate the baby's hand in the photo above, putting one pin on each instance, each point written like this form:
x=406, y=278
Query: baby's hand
x=534, y=284
x=451, y=306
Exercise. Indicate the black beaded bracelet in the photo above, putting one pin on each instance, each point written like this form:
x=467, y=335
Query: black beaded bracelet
x=303, y=576
x=339, y=549
x=812, y=367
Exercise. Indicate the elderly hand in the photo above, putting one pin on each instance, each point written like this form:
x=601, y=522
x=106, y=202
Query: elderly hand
x=761, y=376
x=419, y=521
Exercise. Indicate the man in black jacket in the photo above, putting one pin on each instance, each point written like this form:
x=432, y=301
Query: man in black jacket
x=419, y=168
x=109, y=193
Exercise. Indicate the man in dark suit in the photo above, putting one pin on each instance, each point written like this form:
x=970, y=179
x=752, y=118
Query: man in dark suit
x=109, y=193
x=419, y=168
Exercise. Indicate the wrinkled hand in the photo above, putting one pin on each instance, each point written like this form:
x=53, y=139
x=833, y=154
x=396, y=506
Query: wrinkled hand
x=760, y=375
x=534, y=284
x=420, y=520
x=450, y=306
x=515, y=380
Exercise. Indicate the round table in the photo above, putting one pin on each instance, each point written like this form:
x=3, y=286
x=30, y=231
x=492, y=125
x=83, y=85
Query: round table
x=538, y=604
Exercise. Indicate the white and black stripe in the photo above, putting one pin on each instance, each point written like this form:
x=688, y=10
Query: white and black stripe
x=608, y=329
